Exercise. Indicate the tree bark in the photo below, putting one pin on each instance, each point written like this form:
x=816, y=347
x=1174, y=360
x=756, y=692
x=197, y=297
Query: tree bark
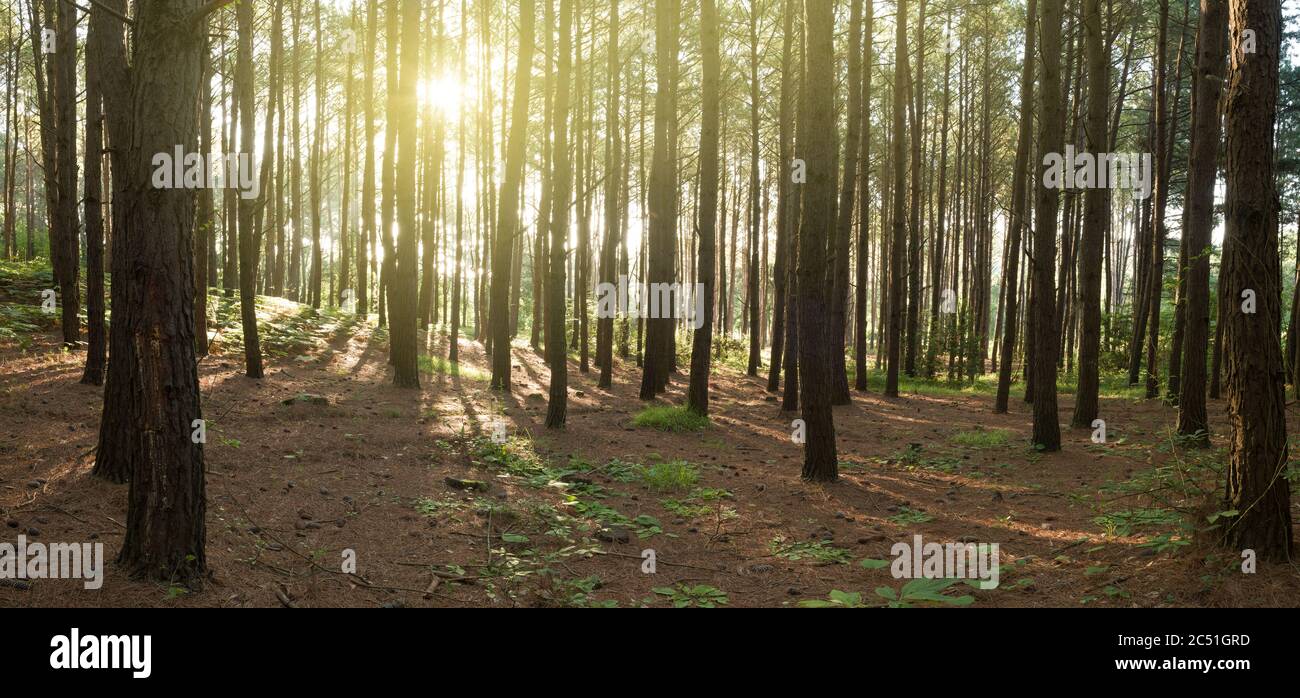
x=1257, y=487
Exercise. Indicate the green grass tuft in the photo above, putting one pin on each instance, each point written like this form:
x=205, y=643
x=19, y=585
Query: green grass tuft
x=676, y=475
x=666, y=418
x=982, y=438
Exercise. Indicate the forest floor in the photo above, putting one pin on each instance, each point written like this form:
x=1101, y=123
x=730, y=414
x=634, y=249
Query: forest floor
x=324, y=456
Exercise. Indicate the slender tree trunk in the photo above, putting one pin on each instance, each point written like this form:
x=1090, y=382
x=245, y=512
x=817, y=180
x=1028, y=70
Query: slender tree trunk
x=1047, y=430
x=1202, y=168
x=94, y=155
x=508, y=224
x=1096, y=211
x=839, y=271
x=558, y=399
x=897, y=271
x=697, y=395
x=247, y=245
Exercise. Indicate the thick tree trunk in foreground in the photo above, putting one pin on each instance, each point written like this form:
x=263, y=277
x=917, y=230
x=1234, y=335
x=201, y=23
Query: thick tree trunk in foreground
x=819, y=204
x=1254, y=381
x=165, y=515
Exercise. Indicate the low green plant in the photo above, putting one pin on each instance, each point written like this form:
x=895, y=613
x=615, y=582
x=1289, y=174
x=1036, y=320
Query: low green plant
x=668, y=418
x=671, y=476
x=697, y=596
x=820, y=551
x=982, y=438
x=907, y=516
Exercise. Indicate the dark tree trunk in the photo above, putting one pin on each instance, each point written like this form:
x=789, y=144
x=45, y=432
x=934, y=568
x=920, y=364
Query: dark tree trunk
x=402, y=292
x=613, y=168
x=1047, y=430
x=64, y=232
x=116, y=452
x=1202, y=169
x=1096, y=212
x=898, y=247
x=508, y=221
x=820, y=463
x=1257, y=454
x=557, y=357
x=94, y=373
x=1019, y=201
x=166, y=504
x=247, y=243
x=368, y=168
x=839, y=272
x=662, y=200
x=697, y=395
x=865, y=196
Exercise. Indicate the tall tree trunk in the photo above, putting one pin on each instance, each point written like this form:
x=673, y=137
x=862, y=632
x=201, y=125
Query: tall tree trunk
x=247, y=244
x=898, y=248
x=1047, y=430
x=819, y=463
x=64, y=231
x=613, y=168
x=94, y=158
x=1096, y=212
x=1019, y=201
x=165, y=522
x=368, y=168
x=839, y=272
x=751, y=277
x=697, y=394
x=864, y=206
x=508, y=223
x=1257, y=453
x=404, y=350
x=1202, y=168
x=1155, y=278
x=557, y=357
x=662, y=201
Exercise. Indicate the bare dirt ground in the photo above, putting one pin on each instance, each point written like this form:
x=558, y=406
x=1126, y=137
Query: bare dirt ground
x=563, y=516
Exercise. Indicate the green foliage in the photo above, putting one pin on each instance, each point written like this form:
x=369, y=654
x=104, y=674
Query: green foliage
x=1126, y=521
x=666, y=418
x=694, y=505
x=284, y=328
x=671, y=476
x=924, y=591
x=441, y=366
x=821, y=551
x=982, y=438
x=698, y=596
x=576, y=593
x=836, y=599
x=906, y=516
